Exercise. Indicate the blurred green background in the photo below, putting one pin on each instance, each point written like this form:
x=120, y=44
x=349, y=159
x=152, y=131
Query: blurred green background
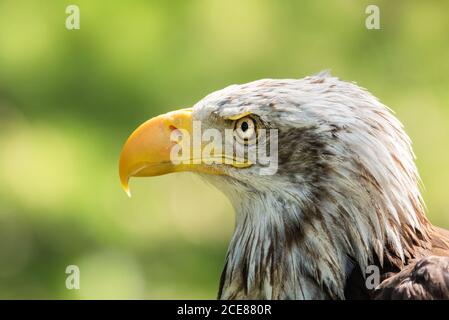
x=69, y=99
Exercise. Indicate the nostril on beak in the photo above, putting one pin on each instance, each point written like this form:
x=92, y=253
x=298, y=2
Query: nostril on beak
x=174, y=129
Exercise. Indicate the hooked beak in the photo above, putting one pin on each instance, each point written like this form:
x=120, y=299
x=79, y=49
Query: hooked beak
x=147, y=151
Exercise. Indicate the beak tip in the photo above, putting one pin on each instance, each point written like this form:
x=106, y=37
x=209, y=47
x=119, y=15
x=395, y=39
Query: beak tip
x=127, y=191
x=125, y=187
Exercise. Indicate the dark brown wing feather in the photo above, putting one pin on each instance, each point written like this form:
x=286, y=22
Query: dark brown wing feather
x=426, y=279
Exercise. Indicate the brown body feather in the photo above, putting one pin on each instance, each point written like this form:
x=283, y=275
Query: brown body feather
x=425, y=277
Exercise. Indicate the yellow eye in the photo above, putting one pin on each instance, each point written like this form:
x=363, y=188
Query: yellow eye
x=245, y=128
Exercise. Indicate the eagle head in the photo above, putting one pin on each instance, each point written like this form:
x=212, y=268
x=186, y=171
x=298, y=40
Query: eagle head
x=335, y=190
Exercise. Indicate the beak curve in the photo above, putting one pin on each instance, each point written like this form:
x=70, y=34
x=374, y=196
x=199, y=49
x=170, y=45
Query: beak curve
x=147, y=150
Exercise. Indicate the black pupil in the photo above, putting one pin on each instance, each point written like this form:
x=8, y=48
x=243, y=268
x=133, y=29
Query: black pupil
x=244, y=126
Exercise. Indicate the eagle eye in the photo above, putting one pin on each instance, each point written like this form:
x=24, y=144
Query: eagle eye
x=245, y=128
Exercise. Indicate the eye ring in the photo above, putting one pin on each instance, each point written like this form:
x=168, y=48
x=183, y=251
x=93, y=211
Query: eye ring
x=245, y=128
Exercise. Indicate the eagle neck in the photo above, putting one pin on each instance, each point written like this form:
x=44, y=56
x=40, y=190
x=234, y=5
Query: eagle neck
x=278, y=252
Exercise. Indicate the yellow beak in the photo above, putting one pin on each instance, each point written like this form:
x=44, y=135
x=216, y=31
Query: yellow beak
x=147, y=151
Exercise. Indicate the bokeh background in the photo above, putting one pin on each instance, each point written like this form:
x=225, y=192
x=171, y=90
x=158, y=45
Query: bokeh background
x=69, y=99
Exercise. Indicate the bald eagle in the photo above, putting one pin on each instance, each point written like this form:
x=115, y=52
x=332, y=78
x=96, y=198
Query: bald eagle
x=345, y=195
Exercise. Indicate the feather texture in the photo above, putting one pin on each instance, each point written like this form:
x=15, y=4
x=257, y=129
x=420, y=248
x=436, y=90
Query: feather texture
x=346, y=195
